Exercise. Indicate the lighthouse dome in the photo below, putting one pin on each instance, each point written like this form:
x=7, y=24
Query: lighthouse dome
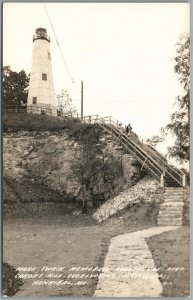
x=41, y=33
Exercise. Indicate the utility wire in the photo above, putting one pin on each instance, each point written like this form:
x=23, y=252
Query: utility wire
x=60, y=49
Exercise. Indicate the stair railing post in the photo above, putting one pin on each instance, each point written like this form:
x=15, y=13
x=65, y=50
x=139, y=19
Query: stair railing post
x=163, y=185
x=184, y=180
x=162, y=180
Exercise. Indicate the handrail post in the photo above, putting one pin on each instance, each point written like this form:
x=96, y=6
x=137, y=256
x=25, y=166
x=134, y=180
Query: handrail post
x=162, y=180
x=184, y=180
x=163, y=185
x=90, y=119
x=117, y=124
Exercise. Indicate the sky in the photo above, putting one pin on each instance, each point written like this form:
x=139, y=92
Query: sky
x=123, y=52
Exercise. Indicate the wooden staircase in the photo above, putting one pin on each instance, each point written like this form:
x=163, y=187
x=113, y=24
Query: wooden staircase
x=173, y=180
x=148, y=156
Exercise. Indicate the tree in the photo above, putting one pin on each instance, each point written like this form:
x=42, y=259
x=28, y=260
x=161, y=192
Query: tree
x=65, y=105
x=153, y=141
x=179, y=122
x=15, y=88
x=87, y=162
x=93, y=166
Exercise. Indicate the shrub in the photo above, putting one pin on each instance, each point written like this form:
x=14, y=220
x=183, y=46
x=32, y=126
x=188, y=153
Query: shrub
x=90, y=133
x=11, y=284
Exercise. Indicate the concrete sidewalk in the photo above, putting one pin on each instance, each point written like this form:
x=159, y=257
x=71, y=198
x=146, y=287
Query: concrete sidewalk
x=129, y=269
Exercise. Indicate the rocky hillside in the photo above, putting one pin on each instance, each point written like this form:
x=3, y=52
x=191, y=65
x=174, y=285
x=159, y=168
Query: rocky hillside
x=146, y=190
x=79, y=161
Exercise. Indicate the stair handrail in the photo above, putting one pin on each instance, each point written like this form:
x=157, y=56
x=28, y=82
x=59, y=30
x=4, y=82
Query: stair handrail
x=115, y=123
x=132, y=144
x=149, y=147
x=151, y=165
x=154, y=151
x=141, y=149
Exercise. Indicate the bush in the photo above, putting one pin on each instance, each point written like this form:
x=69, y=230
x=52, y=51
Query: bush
x=86, y=133
x=11, y=284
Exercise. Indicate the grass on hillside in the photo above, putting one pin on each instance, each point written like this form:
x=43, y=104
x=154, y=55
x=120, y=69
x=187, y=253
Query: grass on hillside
x=23, y=121
x=171, y=254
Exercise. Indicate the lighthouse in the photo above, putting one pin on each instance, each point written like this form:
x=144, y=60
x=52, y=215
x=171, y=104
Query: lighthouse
x=41, y=96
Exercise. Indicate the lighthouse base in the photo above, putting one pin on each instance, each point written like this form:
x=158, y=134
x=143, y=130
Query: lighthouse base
x=42, y=109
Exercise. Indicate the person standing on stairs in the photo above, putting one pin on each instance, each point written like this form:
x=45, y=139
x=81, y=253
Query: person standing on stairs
x=121, y=129
x=128, y=129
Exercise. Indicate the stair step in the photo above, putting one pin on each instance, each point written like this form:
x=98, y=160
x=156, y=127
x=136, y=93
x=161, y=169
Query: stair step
x=171, y=206
x=174, y=197
x=173, y=200
x=179, y=197
x=169, y=220
x=174, y=209
x=174, y=193
x=171, y=213
x=178, y=192
x=173, y=188
x=173, y=203
x=164, y=217
x=169, y=223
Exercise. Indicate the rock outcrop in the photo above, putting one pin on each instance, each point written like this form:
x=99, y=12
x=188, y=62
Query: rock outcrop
x=146, y=190
x=131, y=170
x=51, y=159
x=47, y=159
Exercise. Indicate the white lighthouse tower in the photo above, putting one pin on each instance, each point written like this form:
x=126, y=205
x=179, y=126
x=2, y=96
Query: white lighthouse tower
x=41, y=96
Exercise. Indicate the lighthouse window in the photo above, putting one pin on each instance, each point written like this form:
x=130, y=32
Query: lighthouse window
x=34, y=100
x=44, y=76
x=49, y=56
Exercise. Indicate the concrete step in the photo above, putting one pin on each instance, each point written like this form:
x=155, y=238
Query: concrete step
x=172, y=199
x=173, y=193
x=171, y=206
x=161, y=223
x=170, y=213
x=165, y=217
x=167, y=220
x=173, y=196
x=173, y=189
x=173, y=203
